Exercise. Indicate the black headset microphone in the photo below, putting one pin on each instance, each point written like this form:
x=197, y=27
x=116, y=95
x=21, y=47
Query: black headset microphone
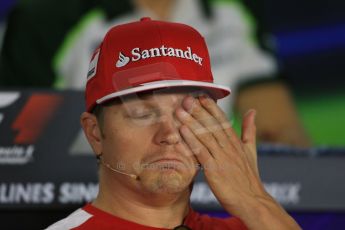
x=101, y=161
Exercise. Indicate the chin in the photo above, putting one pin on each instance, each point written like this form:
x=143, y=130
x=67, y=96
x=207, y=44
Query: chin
x=167, y=181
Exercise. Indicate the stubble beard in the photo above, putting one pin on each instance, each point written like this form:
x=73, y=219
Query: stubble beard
x=167, y=181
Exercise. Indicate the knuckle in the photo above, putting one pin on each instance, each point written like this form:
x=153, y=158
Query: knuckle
x=205, y=102
x=215, y=128
x=201, y=131
x=226, y=125
x=205, y=137
x=195, y=108
x=197, y=150
x=220, y=115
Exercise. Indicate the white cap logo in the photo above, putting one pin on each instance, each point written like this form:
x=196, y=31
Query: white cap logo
x=123, y=60
x=138, y=54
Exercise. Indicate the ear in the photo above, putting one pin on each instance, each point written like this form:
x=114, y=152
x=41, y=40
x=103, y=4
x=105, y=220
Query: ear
x=92, y=131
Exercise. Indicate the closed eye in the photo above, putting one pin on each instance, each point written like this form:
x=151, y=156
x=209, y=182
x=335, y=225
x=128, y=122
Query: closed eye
x=143, y=116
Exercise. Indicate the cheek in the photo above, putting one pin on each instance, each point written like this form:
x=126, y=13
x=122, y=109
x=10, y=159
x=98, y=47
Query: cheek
x=127, y=144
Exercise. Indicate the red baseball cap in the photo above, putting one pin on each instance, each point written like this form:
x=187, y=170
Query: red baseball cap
x=147, y=55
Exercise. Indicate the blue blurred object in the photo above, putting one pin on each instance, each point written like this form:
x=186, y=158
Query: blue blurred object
x=310, y=41
x=308, y=220
x=320, y=220
x=267, y=149
x=5, y=7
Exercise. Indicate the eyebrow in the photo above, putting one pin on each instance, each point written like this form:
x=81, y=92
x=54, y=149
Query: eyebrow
x=142, y=103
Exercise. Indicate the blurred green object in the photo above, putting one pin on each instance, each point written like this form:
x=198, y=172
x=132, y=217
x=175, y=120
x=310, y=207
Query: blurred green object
x=323, y=116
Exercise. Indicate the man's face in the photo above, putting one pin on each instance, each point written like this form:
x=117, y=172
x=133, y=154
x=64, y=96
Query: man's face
x=141, y=137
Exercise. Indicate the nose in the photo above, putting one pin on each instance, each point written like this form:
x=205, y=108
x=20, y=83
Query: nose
x=168, y=131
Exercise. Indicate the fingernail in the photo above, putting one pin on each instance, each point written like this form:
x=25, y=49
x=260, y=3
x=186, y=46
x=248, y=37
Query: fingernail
x=203, y=97
x=188, y=103
x=250, y=111
x=181, y=112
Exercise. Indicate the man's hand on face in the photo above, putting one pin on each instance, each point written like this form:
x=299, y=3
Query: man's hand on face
x=230, y=163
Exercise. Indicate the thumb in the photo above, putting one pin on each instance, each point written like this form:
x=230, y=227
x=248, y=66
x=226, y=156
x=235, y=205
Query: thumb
x=249, y=137
x=248, y=128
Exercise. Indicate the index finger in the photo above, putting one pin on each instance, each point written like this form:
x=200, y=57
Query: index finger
x=211, y=106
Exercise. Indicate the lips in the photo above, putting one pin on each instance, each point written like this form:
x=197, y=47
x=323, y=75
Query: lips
x=165, y=163
x=168, y=160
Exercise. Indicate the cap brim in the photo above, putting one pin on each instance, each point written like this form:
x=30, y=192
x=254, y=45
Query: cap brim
x=217, y=91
